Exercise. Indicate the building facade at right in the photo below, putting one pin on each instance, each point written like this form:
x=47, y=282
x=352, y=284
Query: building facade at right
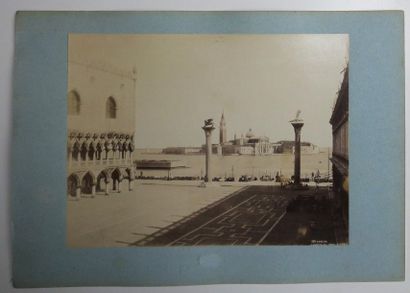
x=340, y=154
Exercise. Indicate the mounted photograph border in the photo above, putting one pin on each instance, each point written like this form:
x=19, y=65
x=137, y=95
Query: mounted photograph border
x=376, y=152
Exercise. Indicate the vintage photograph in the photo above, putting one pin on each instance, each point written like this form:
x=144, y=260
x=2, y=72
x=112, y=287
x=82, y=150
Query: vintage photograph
x=194, y=139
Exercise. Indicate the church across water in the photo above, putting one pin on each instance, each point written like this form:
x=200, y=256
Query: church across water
x=248, y=144
x=251, y=144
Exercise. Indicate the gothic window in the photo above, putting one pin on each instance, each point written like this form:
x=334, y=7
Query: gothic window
x=73, y=103
x=91, y=152
x=76, y=151
x=111, y=108
x=83, y=152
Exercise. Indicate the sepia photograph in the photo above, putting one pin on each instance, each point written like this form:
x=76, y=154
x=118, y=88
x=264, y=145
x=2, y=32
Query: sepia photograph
x=207, y=139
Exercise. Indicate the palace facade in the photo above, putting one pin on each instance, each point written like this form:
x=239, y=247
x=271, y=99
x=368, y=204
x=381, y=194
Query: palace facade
x=101, y=126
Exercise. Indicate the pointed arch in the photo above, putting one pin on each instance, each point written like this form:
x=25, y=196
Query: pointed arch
x=116, y=174
x=91, y=151
x=83, y=151
x=76, y=151
x=98, y=150
x=91, y=174
x=116, y=177
x=73, y=181
x=87, y=182
x=103, y=179
x=124, y=150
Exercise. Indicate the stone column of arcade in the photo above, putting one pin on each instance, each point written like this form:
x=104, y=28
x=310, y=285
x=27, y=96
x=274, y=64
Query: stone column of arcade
x=131, y=180
x=297, y=124
x=107, y=184
x=208, y=128
x=119, y=185
x=78, y=192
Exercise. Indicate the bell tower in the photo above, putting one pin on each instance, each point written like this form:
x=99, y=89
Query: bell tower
x=222, y=130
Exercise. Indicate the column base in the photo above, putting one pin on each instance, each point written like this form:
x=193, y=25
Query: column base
x=299, y=186
x=107, y=187
x=209, y=184
x=77, y=194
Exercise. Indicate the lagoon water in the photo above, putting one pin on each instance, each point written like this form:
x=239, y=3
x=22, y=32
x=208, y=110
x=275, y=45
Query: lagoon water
x=237, y=165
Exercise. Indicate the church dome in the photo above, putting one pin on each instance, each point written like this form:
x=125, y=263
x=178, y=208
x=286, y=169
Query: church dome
x=250, y=134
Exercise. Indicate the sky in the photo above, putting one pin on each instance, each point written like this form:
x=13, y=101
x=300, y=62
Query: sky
x=258, y=81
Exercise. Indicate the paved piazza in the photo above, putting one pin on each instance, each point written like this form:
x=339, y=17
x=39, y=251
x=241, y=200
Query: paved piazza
x=246, y=217
x=178, y=214
x=124, y=218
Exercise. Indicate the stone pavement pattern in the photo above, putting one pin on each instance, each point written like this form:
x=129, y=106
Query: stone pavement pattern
x=164, y=215
x=245, y=217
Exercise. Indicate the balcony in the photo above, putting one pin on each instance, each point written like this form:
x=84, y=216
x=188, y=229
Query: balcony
x=78, y=165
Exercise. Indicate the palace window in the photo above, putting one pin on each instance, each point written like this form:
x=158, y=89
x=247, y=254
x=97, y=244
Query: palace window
x=111, y=108
x=73, y=103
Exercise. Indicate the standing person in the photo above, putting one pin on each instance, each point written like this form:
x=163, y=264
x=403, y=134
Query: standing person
x=317, y=179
